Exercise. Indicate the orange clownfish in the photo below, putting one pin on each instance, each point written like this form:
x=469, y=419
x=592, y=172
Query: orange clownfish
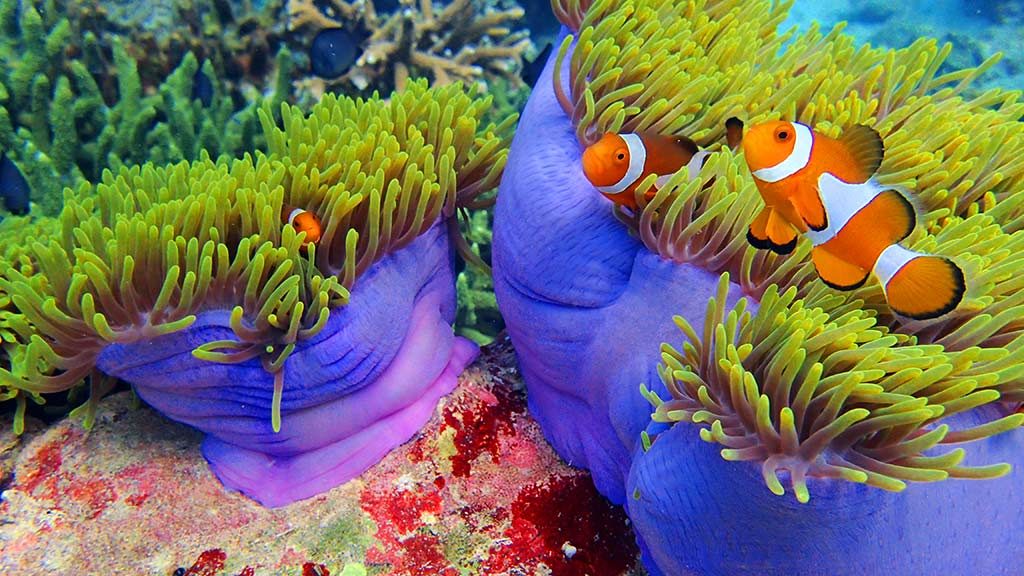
x=302, y=221
x=617, y=163
x=823, y=188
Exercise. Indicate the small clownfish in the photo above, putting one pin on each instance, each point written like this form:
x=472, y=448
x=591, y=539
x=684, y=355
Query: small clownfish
x=617, y=163
x=824, y=188
x=302, y=221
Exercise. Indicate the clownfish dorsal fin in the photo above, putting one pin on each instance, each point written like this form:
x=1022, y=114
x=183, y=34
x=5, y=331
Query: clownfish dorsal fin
x=865, y=146
x=733, y=132
x=686, y=144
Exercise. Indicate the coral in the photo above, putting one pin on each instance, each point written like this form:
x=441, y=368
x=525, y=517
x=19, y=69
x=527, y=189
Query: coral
x=340, y=348
x=464, y=40
x=239, y=39
x=589, y=294
x=478, y=318
x=37, y=107
x=56, y=125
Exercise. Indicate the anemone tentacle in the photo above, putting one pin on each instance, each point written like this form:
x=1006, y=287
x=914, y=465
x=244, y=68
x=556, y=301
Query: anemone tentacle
x=796, y=388
x=141, y=253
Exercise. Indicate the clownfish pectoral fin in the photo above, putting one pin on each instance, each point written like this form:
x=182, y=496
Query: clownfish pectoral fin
x=781, y=234
x=836, y=272
x=865, y=146
x=811, y=210
x=757, y=234
x=733, y=132
x=769, y=230
x=919, y=286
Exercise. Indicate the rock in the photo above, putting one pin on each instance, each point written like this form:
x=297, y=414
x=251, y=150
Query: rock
x=478, y=491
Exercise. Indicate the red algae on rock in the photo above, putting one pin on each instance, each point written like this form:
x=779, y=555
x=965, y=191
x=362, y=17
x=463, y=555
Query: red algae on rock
x=574, y=528
x=210, y=563
x=311, y=569
x=479, y=422
x=478, y=491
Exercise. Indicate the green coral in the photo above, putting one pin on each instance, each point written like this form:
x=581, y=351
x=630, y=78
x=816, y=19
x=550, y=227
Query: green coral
x=817, y=382
x=478, y=317
x=57, y=128
x=143, y=251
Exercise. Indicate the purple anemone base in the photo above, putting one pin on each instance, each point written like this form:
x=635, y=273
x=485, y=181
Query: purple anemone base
x=700, y=514
x=364, y=385
x=587, y=306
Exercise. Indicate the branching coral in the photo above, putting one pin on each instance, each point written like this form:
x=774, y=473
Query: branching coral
x=478, y=318
x=239, y=39
x=57, y=127
x=196, y=256
x=464, y=40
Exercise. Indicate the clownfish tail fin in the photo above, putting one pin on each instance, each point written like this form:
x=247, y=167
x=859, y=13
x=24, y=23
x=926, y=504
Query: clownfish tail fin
x=919, y=286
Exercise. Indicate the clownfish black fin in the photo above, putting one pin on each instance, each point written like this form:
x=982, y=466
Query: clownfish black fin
x=733, y=132
x=781, y=234
x=865, y=146
x=836, y=272
x=757, y=233
x=769, y=231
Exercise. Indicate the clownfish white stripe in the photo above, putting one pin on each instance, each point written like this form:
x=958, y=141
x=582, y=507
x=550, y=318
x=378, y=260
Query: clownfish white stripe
x=637, y=158
x=694, y=166
x=295, y=214
x=697, y=163
x=663, y=180
x=842, y=201
x=890, y=261
x=797, y=159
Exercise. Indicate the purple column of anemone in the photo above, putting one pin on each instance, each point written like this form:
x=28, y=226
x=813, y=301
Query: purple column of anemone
x=701, y=515
x=364, y=385
x=586, y=305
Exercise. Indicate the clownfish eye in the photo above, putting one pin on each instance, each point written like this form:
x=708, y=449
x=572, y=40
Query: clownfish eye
x=620, y=154
x=782, y=134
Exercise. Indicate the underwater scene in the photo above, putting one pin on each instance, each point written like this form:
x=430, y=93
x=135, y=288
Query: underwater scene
x=511, y=287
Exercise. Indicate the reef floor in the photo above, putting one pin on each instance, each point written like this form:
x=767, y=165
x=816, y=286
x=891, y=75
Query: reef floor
x=478, y=491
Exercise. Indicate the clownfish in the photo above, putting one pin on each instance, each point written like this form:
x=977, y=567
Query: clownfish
x=617, y=163
x=824, y=188
x=302, y=221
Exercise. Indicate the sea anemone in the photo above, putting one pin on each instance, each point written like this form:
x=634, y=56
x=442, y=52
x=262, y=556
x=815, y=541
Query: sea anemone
x=303, y=363
x=826, y=391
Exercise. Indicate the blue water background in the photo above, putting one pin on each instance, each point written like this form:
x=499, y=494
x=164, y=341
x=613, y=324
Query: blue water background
x=977, y=29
